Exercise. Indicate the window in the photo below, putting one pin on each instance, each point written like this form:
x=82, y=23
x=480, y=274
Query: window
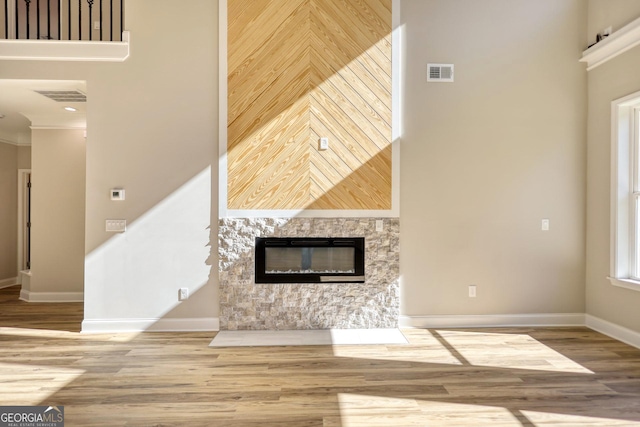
x=625, y=192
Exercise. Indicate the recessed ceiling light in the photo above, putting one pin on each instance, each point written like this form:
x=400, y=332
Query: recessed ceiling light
x=70, y=109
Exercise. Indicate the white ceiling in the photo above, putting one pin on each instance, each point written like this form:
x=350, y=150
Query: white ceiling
x=22, y=108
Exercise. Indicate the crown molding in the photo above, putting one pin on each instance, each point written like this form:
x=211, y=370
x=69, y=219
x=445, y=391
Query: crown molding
x=17, y=144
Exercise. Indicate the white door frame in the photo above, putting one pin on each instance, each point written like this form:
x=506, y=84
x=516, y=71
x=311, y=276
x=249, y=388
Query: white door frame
x=23, y=179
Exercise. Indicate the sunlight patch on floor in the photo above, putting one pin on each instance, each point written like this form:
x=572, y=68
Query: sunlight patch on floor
x=38, y=382
x=457, y=414
x=358, y=410
x=548, y=419
x=511, y=351
x=425, y=349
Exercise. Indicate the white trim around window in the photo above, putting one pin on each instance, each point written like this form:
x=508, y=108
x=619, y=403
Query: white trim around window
x=625, y=182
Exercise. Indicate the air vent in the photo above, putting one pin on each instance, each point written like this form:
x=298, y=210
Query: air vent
x=439, y=72
x=64, y=95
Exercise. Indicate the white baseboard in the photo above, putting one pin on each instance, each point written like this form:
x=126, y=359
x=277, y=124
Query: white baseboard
x=492, y=320
x=30, y=296
x=101, y=326
x=614, y=331
x=6, y=283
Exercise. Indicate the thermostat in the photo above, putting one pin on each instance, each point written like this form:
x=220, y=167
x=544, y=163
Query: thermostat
x=117, y=194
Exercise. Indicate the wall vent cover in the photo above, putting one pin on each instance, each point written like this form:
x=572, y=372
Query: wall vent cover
x=64, y=95
x=439, y=72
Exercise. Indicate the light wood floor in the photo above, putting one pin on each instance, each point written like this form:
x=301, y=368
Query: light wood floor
x=493, y=377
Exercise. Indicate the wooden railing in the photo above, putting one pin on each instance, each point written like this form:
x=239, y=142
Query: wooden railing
x=97, y=20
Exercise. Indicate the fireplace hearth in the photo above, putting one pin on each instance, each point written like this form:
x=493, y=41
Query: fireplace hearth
x=309, y=260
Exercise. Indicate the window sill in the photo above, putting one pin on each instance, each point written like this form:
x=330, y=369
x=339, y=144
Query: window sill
x=634, y=285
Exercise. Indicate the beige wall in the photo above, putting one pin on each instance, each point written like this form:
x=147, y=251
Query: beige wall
x=152, y=130
x=486, y=158
x=8, y=211
x=152, y=126
x=24, y=157
x=608, y=82
x=610, y=13
x=57, y=211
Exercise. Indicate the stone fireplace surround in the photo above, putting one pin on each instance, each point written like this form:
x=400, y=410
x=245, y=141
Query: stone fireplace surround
x=245, y=305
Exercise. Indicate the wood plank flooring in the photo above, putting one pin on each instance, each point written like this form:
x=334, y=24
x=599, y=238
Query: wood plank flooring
x=492, y=377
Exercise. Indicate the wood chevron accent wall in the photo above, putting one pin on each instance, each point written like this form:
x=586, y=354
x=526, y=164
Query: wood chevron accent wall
x=299, y=70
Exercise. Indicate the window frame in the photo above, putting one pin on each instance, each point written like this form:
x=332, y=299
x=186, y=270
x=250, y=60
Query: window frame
x=625, y=192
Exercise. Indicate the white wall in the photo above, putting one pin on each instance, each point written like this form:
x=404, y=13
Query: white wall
x=610, y=81
x=57, y=212
x=486, y=158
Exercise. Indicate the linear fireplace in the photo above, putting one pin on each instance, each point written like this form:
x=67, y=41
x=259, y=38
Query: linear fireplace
x=309, y=260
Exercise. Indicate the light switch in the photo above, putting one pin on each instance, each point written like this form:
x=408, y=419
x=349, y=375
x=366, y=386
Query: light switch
x=379, y=225
x=116, y=225
x=117, y=193
x=324, y=143
x=545, y=225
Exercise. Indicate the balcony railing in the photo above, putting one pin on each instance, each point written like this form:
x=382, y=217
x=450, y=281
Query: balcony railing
x=93, y=20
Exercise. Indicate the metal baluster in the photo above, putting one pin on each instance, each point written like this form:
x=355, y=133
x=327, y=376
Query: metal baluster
x=90, y=19
x=17, y=22
x=121, y=19
x=101, y=21
x=49, y=19
x=38, y=19
x=6, y=19
x=27, y=3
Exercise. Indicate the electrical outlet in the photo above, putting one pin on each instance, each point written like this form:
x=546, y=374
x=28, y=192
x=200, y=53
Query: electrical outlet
x=183, y=294
x=116, y=225
x=379, y=225
x=544, y=226
x=472, y=291
x=96, y=25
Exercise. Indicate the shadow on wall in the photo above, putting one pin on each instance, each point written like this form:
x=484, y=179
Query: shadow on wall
x=172, y=242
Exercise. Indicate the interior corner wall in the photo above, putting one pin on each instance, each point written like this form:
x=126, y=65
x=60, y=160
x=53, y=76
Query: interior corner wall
x=487, y=157
x=57, y=211
x=8, y=211
x=608, y=82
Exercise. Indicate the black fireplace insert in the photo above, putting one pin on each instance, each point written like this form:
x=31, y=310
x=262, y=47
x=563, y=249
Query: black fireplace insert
x=309, y=260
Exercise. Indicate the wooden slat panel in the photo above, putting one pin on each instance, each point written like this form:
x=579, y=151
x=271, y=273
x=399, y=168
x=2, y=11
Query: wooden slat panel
x=299, y=70
x=261, y=21
x=363, y=189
